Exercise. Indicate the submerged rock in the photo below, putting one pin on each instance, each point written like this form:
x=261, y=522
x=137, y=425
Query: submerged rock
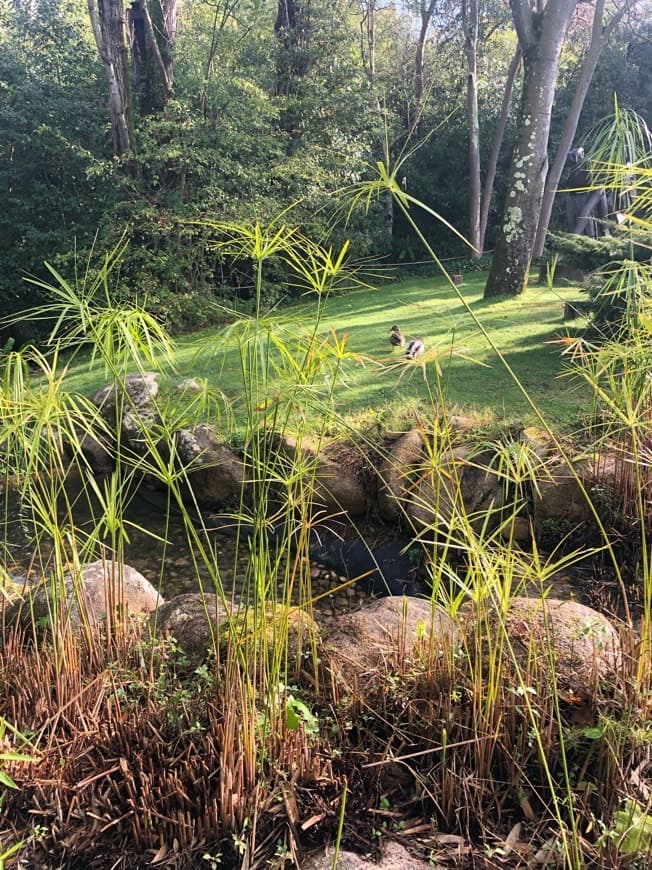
x=387, y=570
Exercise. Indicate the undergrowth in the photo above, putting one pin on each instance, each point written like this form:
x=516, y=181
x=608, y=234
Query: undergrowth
x=250, y=755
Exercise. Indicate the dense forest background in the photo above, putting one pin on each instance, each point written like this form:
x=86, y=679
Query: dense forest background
x=234, y=110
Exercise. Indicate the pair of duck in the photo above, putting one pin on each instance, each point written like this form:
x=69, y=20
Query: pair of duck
x=415, y=347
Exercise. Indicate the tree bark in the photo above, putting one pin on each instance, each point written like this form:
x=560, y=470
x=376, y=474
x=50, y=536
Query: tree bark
x=599, y=35
x=292, y=30
x=499, y=135
x=108, y=23
x=152, y=49
x=368, y=37
x=470, y=26
x=541, y=36
x=426, y=11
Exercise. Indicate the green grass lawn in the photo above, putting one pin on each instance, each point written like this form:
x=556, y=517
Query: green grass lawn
x=382, y=388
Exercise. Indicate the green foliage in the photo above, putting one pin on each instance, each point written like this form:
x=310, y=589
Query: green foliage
x=621, y=294
x=632, y=830
x=588, y=254
x=56, y=183
x=7, y=730
x=490, y=719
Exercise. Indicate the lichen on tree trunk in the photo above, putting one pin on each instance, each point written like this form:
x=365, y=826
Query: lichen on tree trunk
x=541, y=36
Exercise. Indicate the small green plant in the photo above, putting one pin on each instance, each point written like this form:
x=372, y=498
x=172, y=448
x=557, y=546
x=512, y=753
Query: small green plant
x=7, y=755
x=631, y=830
x=6, y=781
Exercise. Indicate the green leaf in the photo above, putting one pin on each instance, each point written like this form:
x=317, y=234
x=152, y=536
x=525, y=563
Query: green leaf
x=6, y=780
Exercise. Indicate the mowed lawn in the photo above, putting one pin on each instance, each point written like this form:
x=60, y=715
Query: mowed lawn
x=521, y=328
x=379, y=384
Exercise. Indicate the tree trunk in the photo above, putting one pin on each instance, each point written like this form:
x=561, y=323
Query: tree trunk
x=292, y=30
x=499, y=135
x=541, y=36
x=369, y=39
x=108, y=22
x=426, y=11
x=599, y=36
x=368, y=36
x=152, y=46
x=470, y=25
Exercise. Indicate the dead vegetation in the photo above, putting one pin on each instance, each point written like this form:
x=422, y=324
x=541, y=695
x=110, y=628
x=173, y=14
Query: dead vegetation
x=146, y=758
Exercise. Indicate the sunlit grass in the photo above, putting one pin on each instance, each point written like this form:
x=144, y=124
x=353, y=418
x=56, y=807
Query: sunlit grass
x=508, y=747
x=377, y=385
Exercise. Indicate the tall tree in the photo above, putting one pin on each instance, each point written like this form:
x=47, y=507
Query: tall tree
x=292, y=28
x=479, y=20
x=110, y=31
x=470, y=25
x=152, y=46
x=426, y=12
x=541, y=31
x=499, y=135
x=601, y=30
x=131, y=42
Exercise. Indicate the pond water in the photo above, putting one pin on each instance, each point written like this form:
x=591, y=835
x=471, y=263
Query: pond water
x=159, y=549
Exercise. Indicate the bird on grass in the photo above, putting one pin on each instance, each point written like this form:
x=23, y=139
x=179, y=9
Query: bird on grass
x=396, y=337
x=415, y=348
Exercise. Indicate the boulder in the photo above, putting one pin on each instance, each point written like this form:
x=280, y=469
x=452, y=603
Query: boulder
x=337, y=484
x=394, y=474
x=193, y=619
x=131, y=407
x=362, y=646
x=98, y=454
x=215, y=474
x=554, y=642
x=462, y=481
x=103, y=591
x=559, y=498
x=539, y=441
x=394, y=857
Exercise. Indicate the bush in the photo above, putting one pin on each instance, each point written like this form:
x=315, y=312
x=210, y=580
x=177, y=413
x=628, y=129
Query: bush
x=589, y=254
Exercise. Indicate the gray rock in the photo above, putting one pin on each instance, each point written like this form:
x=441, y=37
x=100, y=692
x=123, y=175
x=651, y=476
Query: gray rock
x=362, y=646
x=190, y=385
x=337, y=485
x=215, y=474
x=193, y=619
x=102, y=591
x=130, y=408
x=394, y=473
x=98, y=454
x=461, y=481
x=394, y=857
x=559, y=498
x=136, y=393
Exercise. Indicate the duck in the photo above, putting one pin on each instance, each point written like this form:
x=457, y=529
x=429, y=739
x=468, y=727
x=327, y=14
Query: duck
x=415, y=348
x=396, y=337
